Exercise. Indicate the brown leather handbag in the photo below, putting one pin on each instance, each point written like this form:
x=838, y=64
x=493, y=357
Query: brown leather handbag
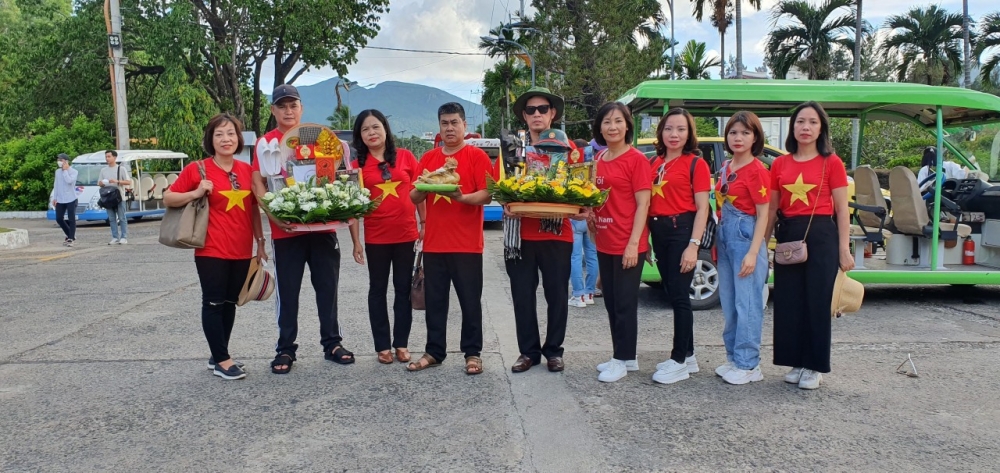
x=417, y=285
x=796, y=252
x=186, y=227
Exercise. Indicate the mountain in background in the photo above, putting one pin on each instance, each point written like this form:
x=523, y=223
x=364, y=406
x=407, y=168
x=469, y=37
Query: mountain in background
x=411, y=108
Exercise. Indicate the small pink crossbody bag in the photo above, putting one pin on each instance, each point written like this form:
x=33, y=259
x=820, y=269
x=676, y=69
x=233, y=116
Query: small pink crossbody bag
x=796, y=252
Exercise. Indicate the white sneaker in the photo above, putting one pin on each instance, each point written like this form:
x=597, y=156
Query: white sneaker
x=630, y=365
x=691, y=362
x=738, y=376
x=616, y=370
x=722, y=370
x=810, y=379
x=794, y=375
x=577, y=302
x=589, y=299
x=114, y=241
x=123, y=241
x=671, y=372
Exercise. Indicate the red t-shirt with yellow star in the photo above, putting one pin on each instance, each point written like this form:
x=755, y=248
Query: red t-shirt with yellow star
x=798, y=184
x=531, y=228
x=453, y=227
x=750, y=188
x=672, y=192
x=624, y=176
x=395, y=220
x=230, y=208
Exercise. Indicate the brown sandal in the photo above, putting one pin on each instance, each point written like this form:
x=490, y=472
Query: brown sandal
x=473, y=365
x=403, y=355
x=385, y=357
x=423, y=363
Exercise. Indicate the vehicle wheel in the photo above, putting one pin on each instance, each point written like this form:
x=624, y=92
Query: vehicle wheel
x=705, y=285
x=134, y=219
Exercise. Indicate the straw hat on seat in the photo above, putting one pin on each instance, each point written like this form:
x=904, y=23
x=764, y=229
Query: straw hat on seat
x=258, y=286
x=847, y=295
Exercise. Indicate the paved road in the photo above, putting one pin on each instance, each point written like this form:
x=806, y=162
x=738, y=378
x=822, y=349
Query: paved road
x=102, y=367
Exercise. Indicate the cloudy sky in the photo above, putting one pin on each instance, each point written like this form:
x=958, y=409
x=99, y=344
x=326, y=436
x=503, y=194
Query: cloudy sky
x=448, y=25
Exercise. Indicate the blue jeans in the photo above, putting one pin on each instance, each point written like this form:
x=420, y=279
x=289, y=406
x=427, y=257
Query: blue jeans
x=117, y=221
x=583, y=247
x=742, y=297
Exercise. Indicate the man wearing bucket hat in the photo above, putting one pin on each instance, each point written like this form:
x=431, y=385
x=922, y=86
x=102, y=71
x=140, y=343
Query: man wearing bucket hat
x=292, y=251
x=532, y=245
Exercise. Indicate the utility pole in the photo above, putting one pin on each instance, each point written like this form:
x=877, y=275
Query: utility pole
x=113, y=19
x=967, y=49
x=670, y=3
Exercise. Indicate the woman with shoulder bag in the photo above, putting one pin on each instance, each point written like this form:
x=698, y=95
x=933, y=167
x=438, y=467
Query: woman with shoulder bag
x=809, y=214
x=678, y=215
x=743, y=197
x=391, y=232
x=233, y=225
x=620, y=233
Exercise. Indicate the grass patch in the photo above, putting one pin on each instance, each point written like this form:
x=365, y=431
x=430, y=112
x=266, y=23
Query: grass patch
x=5, y=230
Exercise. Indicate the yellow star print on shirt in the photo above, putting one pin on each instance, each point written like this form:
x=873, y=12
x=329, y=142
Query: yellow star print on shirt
x=389, y=188
x=235, y=198
x=763, y=191
x=439, y=197
x=658, y=188
x=800, y=190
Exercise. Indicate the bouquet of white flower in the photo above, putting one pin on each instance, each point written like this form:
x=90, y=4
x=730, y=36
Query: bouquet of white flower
x=309, y=203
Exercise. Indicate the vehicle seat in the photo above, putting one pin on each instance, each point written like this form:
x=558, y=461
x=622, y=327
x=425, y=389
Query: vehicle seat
x=146, y=187
x=870, y=209
x=910, y=216
x=161, y=183
x=170, y=179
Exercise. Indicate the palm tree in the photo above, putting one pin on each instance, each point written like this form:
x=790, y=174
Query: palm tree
x=694, y=63
x=989, y=38
x=500, y=48
x=928, y=36
x=341, y=118
x=809, y=39
x=739, y=34
x=499, y=86
x=721, y=18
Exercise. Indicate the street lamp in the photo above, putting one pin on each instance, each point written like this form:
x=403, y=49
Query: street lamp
x=531, y=59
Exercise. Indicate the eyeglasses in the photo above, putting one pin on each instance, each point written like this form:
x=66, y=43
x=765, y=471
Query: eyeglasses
x=726, y=179
x=384, y=167
x=233, y=182
x=531, y=109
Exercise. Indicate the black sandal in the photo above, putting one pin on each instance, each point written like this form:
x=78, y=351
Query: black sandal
x=338, y=354
x=283, y=359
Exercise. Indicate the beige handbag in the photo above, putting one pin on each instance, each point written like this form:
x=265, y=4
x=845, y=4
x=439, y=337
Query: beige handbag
x=258, y=286
x=186, y=227
x=796, y=252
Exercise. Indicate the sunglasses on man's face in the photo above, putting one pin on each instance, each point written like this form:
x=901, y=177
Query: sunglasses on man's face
x=386, y=174
x=531, y=109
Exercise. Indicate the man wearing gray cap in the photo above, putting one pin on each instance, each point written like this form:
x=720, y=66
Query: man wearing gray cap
x=64, y=198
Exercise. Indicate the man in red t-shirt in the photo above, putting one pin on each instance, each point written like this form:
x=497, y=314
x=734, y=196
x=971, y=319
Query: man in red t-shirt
x=532, y=245
x=453, y=243
x=292, y=251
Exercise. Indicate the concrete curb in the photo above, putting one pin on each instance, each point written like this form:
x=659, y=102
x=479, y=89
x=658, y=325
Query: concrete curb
x=4, y=215
x=14, y=239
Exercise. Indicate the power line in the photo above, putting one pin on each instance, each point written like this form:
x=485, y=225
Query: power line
x=455, y=53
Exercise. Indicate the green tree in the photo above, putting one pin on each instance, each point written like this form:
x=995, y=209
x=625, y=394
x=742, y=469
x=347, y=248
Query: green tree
x=989, y=42
x=592, y=52
x=243, y=35
x=809, y=39
x=739, y=33
x=341, y=119
x=28, y=166
x=695, y=62
x=721, y=18
x=501, y=86
x=928, y=41
x=414, y=144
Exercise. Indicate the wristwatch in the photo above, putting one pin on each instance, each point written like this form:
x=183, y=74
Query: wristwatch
x=696, y=242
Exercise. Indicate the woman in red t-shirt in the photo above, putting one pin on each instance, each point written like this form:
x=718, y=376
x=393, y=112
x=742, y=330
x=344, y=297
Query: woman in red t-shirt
x=678, y=213
x=808, y=202
x=620, y=226
x=233, y=224
x=742, y=198
x=391, y=231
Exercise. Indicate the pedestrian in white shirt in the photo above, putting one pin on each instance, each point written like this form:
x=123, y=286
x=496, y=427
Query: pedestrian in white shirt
x=64, y=198
x=929, y=164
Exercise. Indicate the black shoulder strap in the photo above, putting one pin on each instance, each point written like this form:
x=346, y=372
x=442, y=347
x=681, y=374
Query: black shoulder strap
x=694, y=162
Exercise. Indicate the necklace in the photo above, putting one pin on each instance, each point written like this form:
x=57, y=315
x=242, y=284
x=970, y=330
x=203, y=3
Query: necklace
x=664, y=169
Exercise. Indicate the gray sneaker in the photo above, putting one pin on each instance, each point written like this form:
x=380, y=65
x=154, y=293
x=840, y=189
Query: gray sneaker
x=794, y=375
x=123, y=241
x=114, y=241
x=810, y=379
x=234, y=372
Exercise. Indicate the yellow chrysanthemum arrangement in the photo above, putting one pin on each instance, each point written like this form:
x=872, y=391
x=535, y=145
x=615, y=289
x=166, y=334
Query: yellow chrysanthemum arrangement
x=556, y=186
